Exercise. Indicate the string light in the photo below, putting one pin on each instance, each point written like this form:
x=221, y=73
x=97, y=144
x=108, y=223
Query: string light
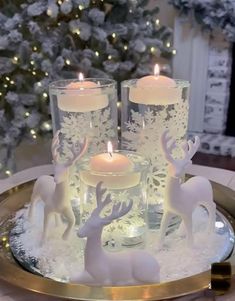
x=157, y=22
x=49, y=12
x=59, y=2
x=45, y=95
x=35, y=48
x=5, y=86
x=67, y=61
x=114, y=35
x=0, y=93
x=147, y=23
x=118, y=104
x=4, y=238
x=119, y=128
x=152, y=49
x=32, y=62
x=76, y=16
x=39, y=84
x=8, y=172
x=12, y=82
x=27, y=114
x=130, y=11
x=34, y=137
x=58, y=24
x=125, y=47
x=7, y=78
x=46, y=73
x=7, y=245
x=110, y=57
x=33, y=72
x=174, y=52
x=97, y=53
x=15, y=59
x=81, y=7
x=32, y=131
x=77, y=32
x=46, y=126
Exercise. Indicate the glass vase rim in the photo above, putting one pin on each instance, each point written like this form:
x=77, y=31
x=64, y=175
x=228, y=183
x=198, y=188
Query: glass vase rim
x=111, y=173
x=109, y=83
x=179, y=83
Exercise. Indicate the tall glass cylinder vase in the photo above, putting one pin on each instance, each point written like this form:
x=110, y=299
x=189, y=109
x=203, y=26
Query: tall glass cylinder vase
x=84, y=108
x=146, y=113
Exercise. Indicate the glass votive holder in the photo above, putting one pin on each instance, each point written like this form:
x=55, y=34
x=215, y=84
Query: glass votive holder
x=146, y=113
x=85, y=108
x=128, y=184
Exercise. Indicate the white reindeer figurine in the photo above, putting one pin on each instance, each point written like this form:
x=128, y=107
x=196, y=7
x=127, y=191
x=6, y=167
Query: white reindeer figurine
x=54, y=191
x=182, y=199
x=104, y=268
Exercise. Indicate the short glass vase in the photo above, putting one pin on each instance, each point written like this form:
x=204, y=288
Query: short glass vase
x=124, y=186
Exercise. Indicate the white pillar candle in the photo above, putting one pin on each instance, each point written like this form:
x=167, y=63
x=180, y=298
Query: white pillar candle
x=82, y=96
x=113, y=169
x=155, y=90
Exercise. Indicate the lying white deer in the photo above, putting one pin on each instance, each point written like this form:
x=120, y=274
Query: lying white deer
x=104, y=268
x=54, y=191
x=182, y=199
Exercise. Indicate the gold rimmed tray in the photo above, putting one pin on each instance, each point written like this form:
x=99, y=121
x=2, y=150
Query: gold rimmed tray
x=14, y=199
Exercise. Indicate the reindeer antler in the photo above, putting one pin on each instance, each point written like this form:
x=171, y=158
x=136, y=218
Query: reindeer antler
x=118, y=209
x=190, y=148
x=77, y=155
x=99, y=196
x=168, y=144
x=54, y=147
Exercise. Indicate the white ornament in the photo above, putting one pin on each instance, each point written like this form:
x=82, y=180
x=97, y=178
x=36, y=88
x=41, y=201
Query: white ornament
x=54, y=191
x=104, y=268
x=182, y=199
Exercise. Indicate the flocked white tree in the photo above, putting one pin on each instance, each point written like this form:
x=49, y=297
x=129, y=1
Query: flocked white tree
x=45, y=40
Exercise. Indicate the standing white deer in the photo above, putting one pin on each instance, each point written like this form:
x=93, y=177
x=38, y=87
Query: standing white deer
x=104, y=268
x=181, y=199
x=54, y=191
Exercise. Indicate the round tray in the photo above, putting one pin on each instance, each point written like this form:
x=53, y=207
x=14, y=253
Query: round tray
x=14, y=199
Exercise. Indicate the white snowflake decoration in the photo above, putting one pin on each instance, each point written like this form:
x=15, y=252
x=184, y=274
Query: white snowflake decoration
x=98, y=126
x=143, y=132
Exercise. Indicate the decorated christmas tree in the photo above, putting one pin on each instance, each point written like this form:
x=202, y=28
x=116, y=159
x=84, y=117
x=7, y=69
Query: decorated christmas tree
x=46, y=40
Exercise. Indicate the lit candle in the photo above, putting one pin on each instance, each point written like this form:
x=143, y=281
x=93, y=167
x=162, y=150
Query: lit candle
x=155, y=90
x=115, y=170
x=110, y=162
x=82, y=96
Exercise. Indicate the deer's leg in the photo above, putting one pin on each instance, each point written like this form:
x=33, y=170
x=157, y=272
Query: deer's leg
x=32, y=205
x=189, y=228
x=69, y=215
x=212, y=217
x=167, y=215
x=57, y=220
x=47, y=214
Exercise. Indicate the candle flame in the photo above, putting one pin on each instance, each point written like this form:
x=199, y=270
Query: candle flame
x=110, y=148
x=81, y=77
x=156, y=70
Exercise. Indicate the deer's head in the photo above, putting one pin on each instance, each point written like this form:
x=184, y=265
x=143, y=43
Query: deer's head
x=61, y=170
x=95, y=222
x=177, y=167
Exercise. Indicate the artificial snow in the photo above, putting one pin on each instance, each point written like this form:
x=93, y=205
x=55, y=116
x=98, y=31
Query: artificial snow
x=61, y=260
